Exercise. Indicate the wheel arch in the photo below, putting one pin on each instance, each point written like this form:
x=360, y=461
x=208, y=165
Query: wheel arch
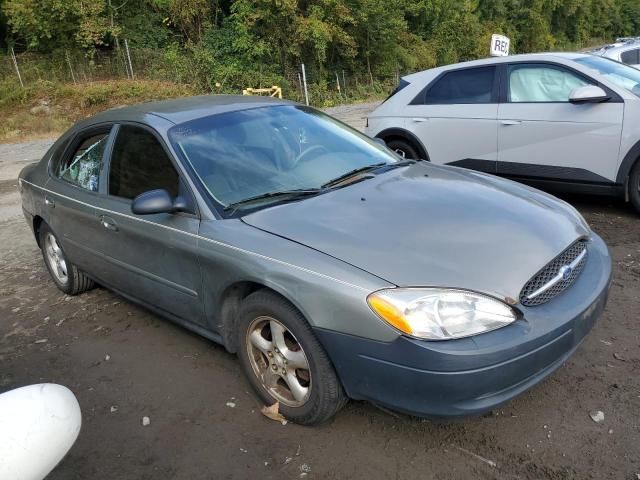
x=628, y=162
x=389, y=134
x=37, y=223
x=230, y=301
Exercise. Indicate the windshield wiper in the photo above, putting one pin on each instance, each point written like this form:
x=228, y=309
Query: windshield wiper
x=301, y=192
x=368, y=168
x=352, y=173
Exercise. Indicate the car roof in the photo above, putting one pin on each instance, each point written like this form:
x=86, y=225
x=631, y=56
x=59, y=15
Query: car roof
x=629, y=44
x=184, y=109
x=551, y=56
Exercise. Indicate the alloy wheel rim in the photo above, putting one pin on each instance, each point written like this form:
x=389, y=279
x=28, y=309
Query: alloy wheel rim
x=278, y=361
x=55, y=258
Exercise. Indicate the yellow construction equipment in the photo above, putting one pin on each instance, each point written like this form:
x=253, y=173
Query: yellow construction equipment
x=274, y=91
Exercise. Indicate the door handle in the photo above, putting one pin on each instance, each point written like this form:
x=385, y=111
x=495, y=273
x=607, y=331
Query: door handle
x=419, y=119
x=510, y=122
x=48, y=201
x=108, y=223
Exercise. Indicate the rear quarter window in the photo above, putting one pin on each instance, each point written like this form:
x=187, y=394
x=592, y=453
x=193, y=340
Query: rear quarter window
x=630, y=57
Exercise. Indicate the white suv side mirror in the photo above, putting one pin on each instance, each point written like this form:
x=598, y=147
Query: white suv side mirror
x=588, y=94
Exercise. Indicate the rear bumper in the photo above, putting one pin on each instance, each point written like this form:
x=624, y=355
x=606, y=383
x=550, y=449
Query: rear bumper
x=474, y=375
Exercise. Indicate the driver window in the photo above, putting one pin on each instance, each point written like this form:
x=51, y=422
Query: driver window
x=540, y=83
x=83, y=167
x=139, y=164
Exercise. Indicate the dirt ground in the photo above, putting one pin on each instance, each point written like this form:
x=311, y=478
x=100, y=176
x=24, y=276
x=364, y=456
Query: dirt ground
x=124, y=363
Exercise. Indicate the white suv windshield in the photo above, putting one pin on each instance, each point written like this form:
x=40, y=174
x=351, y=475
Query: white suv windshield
x=618, y=73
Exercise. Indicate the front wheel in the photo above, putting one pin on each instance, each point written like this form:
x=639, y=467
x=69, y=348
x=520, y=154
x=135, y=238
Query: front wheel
x=284, y=362
x=65, y=274
x=634, y=186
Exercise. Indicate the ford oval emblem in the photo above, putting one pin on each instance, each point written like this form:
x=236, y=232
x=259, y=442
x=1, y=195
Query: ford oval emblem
x=565, y=272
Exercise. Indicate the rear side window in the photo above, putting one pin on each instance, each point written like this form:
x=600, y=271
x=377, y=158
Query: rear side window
x=630, y=57
x=139, y=164
x=83, y=167
x=471, y=85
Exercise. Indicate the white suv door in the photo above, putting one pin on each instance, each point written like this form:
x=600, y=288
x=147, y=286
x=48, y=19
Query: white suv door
x=455, y=118
x=541, y=135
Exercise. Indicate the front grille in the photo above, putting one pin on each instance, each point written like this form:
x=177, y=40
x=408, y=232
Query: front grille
x=548, y=273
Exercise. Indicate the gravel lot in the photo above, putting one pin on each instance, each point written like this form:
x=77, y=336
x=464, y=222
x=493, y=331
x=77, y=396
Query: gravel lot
x=124, y=363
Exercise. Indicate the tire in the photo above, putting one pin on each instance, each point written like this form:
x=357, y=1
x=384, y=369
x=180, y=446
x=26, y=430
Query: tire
x=634, y=186
x=260, y=315
x=404, y=148
x=64, y=274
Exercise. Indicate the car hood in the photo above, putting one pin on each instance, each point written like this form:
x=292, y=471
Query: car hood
x=427, y=225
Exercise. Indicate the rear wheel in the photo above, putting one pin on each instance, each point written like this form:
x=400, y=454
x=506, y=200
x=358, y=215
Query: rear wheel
x=284, y=362
x=634, y=186
x=65, y=275
x=404, y=148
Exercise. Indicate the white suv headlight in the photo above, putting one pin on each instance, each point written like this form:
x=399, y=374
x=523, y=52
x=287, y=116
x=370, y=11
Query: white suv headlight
x=440, y=314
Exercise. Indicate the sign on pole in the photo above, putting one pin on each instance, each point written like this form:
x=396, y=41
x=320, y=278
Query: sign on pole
x=499, y=45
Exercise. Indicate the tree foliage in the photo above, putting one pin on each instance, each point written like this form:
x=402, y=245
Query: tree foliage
x=225, y=39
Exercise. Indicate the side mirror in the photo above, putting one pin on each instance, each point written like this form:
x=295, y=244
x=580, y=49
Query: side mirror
x=156, y=201
x=588, y=94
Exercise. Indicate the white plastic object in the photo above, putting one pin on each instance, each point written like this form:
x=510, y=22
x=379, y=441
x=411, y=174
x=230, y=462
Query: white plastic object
x=38, y=426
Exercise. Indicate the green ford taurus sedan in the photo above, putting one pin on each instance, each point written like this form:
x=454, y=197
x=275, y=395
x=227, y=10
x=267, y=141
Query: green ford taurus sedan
x=333, y=268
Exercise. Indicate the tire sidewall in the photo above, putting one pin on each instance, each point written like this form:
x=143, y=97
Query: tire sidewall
x=267, y=305
x=65, y=287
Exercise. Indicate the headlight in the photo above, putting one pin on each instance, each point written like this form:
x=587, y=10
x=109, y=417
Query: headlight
x=440, y=314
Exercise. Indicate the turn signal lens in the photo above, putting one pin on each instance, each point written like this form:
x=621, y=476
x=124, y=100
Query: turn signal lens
x=440, y=314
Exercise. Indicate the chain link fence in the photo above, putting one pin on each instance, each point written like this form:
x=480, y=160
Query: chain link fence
x=324, y=87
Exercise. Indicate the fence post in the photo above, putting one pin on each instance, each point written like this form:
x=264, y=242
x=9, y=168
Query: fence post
x=344, y=85
x=73, y=77
x=304, y=81
x=124, y=62
x=338, y=84
x=15, y=63
x=126, y=47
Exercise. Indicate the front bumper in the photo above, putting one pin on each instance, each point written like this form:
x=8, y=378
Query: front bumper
x=473, y=375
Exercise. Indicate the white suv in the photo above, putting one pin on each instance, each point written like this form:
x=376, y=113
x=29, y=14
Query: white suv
x=565, y=120
x=626, y=50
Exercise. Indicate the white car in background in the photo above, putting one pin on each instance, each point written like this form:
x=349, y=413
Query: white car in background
x=560, y=120
x=625, y=50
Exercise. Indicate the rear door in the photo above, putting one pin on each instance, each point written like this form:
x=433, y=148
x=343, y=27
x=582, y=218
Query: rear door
x=541, y=135
x=150, y=257
x=73, y=190
x=455, y=117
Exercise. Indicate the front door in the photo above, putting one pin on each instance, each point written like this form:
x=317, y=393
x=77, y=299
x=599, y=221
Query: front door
x=152, y=257
x=455, y=118
x=541, y=135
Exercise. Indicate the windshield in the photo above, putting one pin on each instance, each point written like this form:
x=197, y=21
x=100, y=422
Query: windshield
x=618, y=73
x=249, y=153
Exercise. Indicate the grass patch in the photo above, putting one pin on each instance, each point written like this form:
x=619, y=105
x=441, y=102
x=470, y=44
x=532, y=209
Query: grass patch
x=46, y=109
